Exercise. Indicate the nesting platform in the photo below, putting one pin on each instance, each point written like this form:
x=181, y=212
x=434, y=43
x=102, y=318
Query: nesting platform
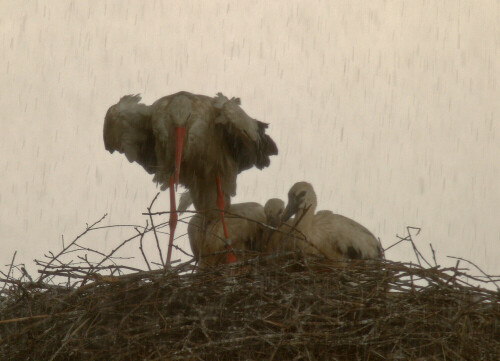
x=282, y=307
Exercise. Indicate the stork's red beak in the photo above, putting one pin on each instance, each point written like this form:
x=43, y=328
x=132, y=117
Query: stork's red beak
x=179, y=140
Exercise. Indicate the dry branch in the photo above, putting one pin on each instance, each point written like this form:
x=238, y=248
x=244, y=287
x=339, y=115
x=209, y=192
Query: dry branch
x=278, y=307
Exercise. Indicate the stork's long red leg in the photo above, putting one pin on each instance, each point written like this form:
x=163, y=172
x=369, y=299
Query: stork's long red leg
x=179, y=139
x=220, y=204
x=173, y=217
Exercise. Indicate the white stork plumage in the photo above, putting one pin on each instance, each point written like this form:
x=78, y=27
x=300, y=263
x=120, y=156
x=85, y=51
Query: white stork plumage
x=328, y=234
x=273, y=209
x=206, y=237
x=198, y=141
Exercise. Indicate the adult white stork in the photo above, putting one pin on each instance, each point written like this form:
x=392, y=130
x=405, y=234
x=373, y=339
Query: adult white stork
x=244, y=221
x=198, y=141
x=328, y=234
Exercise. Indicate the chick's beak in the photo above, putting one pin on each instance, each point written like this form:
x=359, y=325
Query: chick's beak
x=288, y=212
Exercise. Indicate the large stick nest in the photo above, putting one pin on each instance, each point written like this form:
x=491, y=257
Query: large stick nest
x=279, y=307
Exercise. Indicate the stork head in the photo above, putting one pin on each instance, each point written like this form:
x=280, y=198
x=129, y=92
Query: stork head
x=180, y=109
x=274, y=210
x=127, y=129
x=300, y=197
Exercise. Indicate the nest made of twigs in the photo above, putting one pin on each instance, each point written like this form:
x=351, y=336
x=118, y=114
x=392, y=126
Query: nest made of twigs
x=280, y=307
x=91, y=305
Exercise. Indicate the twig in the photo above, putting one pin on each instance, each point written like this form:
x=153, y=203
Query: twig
x=68, y=339
x=433, y=255
x=479, y=269
x=10, y=269
x=140, y=245
x=154, y=229
x=87, y=229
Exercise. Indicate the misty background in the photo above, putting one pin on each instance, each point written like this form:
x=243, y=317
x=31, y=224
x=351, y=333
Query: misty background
x=390, y=109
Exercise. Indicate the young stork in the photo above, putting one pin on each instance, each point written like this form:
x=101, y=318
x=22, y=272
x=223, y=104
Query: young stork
x=328, y=234
x=273, y=209
x=198, y=141
x=248, y=220
x=244, y=223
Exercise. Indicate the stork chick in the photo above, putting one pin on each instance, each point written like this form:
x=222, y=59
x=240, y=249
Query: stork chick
x=207, y=241
x=328, y=234
x=274, y=210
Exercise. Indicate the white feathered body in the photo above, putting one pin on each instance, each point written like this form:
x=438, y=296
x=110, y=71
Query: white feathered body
x=206, y=237
x=324, y=233
x=221, y=139
x=327, y=234
x=204, y=153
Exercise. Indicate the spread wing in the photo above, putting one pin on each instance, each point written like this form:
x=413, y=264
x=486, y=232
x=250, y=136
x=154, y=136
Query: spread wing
x=245, y=137
x=127, y=129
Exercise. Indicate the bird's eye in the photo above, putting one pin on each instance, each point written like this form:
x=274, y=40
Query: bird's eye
x=301, y=194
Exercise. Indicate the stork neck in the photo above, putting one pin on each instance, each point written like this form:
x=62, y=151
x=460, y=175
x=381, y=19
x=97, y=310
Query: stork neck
x=305, y=216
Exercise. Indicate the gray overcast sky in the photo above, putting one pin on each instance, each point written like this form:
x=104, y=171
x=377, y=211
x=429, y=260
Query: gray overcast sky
x=391, y=109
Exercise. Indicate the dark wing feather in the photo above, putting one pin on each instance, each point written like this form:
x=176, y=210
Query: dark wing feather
x=266, y=147
x=146, y=155
x=245, y=137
